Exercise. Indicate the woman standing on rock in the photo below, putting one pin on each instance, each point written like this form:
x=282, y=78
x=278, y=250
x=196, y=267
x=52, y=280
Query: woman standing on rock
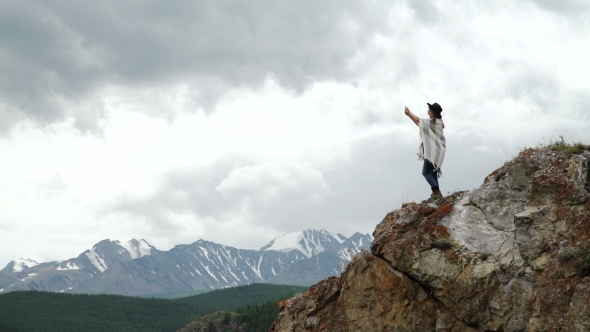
x=433, y=145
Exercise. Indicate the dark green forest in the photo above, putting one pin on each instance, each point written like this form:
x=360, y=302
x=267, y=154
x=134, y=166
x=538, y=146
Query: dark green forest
x=258, y=318
x=250, y=318
x=45, y=311
x=230, y=299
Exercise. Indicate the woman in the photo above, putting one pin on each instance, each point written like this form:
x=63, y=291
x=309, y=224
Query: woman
x=433, y=145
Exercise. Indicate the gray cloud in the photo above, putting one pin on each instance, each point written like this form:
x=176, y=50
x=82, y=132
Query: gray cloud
x=581, y=105
x=426, y=11
x=184, y=191
x=67, y=49
x=533, y=85
x=564, y=7
x=272, y=194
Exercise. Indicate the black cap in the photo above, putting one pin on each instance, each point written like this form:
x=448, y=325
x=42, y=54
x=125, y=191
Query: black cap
x=435, y=108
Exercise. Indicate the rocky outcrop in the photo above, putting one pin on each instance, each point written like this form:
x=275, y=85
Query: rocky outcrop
x=512, y=255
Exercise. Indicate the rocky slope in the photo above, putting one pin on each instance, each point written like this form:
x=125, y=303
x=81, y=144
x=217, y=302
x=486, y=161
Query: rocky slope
x=512, y=255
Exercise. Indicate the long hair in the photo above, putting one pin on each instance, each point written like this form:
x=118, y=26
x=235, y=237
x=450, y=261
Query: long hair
x=438, y=116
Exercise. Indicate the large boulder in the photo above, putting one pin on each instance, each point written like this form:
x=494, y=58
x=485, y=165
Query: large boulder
x=512, y=255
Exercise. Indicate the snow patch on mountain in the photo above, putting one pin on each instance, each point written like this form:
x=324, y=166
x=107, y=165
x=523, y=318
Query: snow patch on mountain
x=22, y=263
x=136, y=249
x=310, y=242
x=69, y=266
x=205, y=252
x=210, y=273
x=340, y=238
x=354, y=245
x=96, y=260
x=286, y=243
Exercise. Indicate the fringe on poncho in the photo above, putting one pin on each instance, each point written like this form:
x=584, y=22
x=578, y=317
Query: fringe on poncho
x=433, y=145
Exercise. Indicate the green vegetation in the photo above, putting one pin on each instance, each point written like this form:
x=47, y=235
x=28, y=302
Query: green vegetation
x=579, y=258
x=561, y=145
x=258, y=318
x=45, y=311
x=232, y=298
x=176, y=295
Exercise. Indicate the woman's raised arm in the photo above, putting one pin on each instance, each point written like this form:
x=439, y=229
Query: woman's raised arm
x=412, y=116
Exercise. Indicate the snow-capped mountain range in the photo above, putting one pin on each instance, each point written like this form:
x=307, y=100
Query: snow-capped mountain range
x=137, y=268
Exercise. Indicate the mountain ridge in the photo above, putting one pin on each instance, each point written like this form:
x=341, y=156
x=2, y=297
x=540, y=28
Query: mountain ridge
x=138, y=268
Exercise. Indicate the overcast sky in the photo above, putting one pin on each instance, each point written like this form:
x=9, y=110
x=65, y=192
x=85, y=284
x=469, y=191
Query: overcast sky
x=239, y=121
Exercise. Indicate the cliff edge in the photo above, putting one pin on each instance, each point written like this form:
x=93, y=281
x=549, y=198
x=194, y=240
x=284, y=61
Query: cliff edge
x=512, y=255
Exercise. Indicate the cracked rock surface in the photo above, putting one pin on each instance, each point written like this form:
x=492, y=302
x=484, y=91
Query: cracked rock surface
x=491, y=259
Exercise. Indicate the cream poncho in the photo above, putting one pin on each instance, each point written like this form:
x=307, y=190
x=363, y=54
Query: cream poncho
x=433, y=144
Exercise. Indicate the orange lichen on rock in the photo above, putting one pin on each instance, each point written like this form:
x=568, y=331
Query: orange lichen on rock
x=411, y=230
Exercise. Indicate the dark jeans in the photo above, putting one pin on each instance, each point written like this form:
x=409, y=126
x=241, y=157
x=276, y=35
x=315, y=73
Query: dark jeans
x=429, y=173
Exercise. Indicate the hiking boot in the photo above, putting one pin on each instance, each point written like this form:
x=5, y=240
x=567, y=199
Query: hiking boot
x=436, y=194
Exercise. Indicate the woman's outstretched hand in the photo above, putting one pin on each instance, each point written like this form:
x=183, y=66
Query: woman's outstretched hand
x=407, y=110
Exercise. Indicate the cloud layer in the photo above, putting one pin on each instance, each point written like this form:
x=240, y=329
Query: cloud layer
x=56, y=51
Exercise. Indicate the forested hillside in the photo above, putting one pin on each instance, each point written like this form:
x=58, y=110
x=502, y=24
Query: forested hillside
x=231, y=298
x=251, y=318
x=258, y=318
x=45, y=311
